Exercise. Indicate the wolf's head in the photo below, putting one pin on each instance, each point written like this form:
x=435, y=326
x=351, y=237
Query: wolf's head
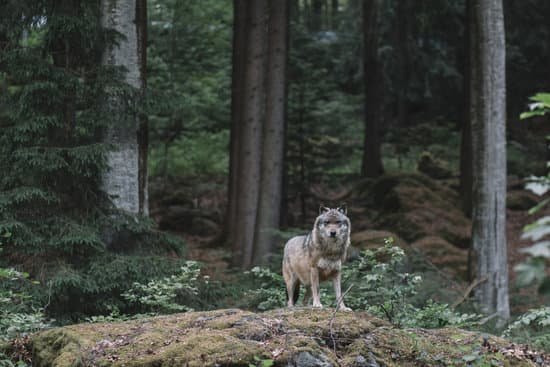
x=333, y=224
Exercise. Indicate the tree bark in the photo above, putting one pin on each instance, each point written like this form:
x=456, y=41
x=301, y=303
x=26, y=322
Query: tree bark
x=488, y=112
x=121, y=181
x=237, y=87
x=143, y=130
x=251, y=134
x=466, y=140
x=372, y=157
x=403, y=31
x=269, y=206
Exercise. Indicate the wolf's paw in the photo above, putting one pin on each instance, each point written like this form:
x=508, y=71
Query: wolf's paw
x=317, y=305
x=345, y=308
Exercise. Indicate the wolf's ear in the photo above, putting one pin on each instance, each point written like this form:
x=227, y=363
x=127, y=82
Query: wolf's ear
x=343, y=209
x=323, y=209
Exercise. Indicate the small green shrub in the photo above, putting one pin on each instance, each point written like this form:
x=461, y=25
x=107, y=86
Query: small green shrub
x=533, y=328
x=381, y=287
x=169, y=294
x=269, y=290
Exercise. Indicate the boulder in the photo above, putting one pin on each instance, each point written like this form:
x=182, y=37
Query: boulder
x=297, y=337
x=416, y=206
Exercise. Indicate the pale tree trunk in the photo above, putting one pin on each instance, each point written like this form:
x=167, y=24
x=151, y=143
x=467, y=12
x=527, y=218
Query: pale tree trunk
x=488, y=101
x=250, y=139
x=271, y=189
x=121, y=181
x=237, y=86
x=372, y=75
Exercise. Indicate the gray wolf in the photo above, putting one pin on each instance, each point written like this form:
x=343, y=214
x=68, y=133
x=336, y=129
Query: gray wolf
x=317, y=257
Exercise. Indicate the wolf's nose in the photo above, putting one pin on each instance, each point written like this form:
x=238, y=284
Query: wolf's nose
x=332, y=234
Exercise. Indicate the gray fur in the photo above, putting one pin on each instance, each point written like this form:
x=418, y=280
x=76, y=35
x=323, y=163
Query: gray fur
x=318, y=256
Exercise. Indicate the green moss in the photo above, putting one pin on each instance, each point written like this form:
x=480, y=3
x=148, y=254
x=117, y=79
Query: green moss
x=239, y=338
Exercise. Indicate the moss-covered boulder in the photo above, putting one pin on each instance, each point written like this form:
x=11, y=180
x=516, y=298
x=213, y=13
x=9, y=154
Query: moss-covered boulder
x=445, y=256
x=299, y=337
x=416, y=206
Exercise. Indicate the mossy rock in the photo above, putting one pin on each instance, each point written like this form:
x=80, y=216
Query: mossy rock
x=416, y=206
x=287, y=337
x=370, y=239
x=444, y=255
x=433, y=167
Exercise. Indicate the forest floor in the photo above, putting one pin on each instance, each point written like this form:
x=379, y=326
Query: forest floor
x=196, y=213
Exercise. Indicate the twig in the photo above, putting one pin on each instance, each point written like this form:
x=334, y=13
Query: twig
x=469, y=290
x=338, y=303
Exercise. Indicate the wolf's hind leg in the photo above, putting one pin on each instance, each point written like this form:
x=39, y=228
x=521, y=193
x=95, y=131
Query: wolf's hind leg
x=292, y=290
x=307, y=296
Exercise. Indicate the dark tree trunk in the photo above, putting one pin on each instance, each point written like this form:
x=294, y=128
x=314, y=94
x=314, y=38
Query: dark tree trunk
x=488, y=116
x=250, y=139
x=316, y=15
x=372, y=157
x=240, y=16
x=271, y=189
x=403, y=31
x=466, y=141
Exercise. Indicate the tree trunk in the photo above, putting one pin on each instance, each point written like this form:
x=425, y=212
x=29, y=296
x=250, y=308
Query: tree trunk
x=316, y=20
x=488, y=112
x=403, y=31
x=466, y=141
x=143, y=131
x=121, y=181
x=237, y=88
x=372, y=157
x=269, y=206
x=251, y=134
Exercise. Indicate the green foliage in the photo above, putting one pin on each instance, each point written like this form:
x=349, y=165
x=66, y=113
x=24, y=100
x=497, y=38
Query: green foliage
x=533, y=270
x=19, y=314
x=189, y=76
x=382, y=288
x=533, y=328
x=167, y=295
x=268, y=290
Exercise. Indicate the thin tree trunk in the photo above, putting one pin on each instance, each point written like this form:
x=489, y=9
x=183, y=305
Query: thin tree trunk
x=271, y=189
x=334, y=14
x=372, y=157
x=237, y=89
x=251, y=134
x=466, y=141
x=403, y=31
x=121, y=181
x=316, y=15
x=488, y=101
x=143, y=131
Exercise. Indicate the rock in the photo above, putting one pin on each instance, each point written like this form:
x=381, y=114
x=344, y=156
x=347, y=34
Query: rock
x=433, y=167
x=306, y=359
x=288, y=337
x=444, y=255
x=369, y=239
x=415, y=206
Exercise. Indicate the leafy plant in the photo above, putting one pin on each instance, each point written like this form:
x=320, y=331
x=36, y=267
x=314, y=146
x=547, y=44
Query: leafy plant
x=533, y=270
x=382, y=288
x=169, y=294
x=268, y=292
x=533, y=328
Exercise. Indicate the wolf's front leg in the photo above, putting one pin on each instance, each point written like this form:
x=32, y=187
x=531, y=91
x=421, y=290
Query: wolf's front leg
x=337, y=283
x=314, y=273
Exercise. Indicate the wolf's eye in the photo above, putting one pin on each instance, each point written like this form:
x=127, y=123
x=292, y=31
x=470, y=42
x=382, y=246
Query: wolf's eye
x=339, y=222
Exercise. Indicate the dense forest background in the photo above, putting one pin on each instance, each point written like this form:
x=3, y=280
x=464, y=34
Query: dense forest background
x=162, y=170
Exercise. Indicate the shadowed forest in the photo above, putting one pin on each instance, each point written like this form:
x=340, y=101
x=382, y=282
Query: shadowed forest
x=156, y=156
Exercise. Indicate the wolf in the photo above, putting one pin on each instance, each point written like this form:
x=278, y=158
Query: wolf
x=318, y=256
